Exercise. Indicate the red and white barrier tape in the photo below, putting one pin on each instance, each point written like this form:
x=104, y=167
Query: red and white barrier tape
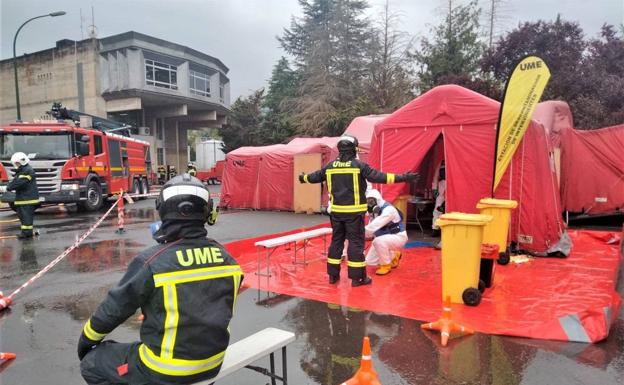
x=64, y=253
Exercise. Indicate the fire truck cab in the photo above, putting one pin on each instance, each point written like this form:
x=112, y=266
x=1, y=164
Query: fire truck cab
x=80, y=165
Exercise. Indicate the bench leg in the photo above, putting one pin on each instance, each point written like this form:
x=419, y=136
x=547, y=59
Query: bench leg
x=272, y=361
x=284, y=372
x=271, y=373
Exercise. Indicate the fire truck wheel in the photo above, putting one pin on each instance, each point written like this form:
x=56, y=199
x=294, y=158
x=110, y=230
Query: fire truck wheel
x=144, y=186
x=136, y=186
x=94, y=197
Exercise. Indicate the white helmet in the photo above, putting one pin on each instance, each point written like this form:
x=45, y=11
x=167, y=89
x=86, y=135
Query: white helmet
x=19, y=159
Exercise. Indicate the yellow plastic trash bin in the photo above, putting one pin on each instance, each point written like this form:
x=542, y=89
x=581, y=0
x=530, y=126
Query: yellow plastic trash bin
x=495, y=232
x=462, y=235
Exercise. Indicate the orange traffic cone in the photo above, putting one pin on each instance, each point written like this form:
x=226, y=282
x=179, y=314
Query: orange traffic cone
x=5, y=302
x=365, y=375
x=7, y=356
x=446, y=325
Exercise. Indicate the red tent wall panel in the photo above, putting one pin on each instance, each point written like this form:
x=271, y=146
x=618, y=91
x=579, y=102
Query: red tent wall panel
x=592, y=169
x=239, y=181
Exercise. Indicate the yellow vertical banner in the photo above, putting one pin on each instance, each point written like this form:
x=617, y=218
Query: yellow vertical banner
x=523, y=91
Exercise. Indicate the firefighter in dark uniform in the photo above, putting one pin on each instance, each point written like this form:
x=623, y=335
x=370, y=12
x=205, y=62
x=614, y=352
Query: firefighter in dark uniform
x=24, y=184
x=346, y=182
x=162, y=174
x=191, y=169
x=186, y=288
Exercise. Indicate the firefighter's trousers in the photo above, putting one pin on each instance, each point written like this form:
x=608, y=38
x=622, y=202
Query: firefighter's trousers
x=26, y=214
x=351, y=228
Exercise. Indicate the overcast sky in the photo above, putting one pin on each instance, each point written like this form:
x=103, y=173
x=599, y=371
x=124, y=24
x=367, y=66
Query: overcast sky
x=242, y=32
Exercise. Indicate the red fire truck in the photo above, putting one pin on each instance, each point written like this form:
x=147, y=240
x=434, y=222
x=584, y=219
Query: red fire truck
x=82, y=165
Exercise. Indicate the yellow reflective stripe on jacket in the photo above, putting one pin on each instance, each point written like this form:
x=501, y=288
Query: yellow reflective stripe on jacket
x=350, y=170
x=26, y=227
x=25, y=177
x=170, y=298
x=356, y=189
x=92, y=334
x=334, y=261
x=389, y=178
x=178, y=366
x=348, y=208
x=356, y=264
x=29, y=202
x=305, y=178
x=196, y=275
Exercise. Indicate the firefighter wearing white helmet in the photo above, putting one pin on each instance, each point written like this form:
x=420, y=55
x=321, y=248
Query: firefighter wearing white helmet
x=346, y=179
x=388, y=229
x=24, y=183
x=186, y=287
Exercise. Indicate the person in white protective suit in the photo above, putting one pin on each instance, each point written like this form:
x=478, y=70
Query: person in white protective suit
x=387, y=227
x=439, y=192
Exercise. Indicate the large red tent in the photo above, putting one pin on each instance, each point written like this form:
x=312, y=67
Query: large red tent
x=592, y=170
x=262, y=177
x=460, y=125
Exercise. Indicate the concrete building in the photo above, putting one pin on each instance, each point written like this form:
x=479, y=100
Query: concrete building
x=163, y=88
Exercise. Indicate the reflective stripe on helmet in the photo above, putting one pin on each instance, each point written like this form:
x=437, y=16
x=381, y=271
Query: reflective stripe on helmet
x=172, y=191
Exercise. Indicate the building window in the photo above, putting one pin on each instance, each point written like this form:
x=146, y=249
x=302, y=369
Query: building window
x=161, y=75
x=160, y=155
x=199, y=83
x=159, y=128
x=222, y=93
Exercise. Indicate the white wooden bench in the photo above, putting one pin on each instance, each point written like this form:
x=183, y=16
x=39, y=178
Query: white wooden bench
x=270, y=245
x=242, y=353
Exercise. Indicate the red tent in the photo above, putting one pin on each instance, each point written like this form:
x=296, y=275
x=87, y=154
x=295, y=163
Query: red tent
x=362, y=127
x=262, y=177
x=556, y=117
x=592, y=168
x=460, y=125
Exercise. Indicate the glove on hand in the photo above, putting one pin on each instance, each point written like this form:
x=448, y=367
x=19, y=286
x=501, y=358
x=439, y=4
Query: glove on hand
x=301, y=180
x=85, y=345
x=407, y=177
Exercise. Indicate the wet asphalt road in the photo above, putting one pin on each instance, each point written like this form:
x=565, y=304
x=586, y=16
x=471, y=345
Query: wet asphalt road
x=46, y=319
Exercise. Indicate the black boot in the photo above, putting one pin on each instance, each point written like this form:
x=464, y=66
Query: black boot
x=361, y=282
x=25, y=235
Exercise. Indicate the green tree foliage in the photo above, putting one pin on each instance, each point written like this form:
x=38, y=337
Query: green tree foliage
x=559, y=43
x=452, y=53
x=390, y=78
x=245, y=123
x=601, y=100
x=588, y=75
x=277, y=123
x=328, y=44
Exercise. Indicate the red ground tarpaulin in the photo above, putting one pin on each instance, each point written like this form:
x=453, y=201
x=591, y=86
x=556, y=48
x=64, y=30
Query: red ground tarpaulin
x=462, y=124
x=592, y=168
x=571, y=299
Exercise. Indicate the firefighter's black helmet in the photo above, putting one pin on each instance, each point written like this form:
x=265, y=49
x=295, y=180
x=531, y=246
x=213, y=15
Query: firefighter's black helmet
x=184, y=197
x=347, y=143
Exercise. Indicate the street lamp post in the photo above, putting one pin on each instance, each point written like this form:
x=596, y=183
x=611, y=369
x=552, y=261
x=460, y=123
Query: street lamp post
x=17, y=100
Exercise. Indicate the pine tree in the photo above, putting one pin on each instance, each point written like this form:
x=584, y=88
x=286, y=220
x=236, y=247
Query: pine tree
x=455, y=49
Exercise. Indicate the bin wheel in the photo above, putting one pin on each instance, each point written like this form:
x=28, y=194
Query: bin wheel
x=504, y=258
x=471, y=296
x=481, y=286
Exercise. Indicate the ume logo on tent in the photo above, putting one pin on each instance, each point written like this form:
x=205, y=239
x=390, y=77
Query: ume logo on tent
x=530, y=65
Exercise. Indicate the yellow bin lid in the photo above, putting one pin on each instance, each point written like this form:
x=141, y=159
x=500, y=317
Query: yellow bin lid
x=496, y=203
x=463, y=219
